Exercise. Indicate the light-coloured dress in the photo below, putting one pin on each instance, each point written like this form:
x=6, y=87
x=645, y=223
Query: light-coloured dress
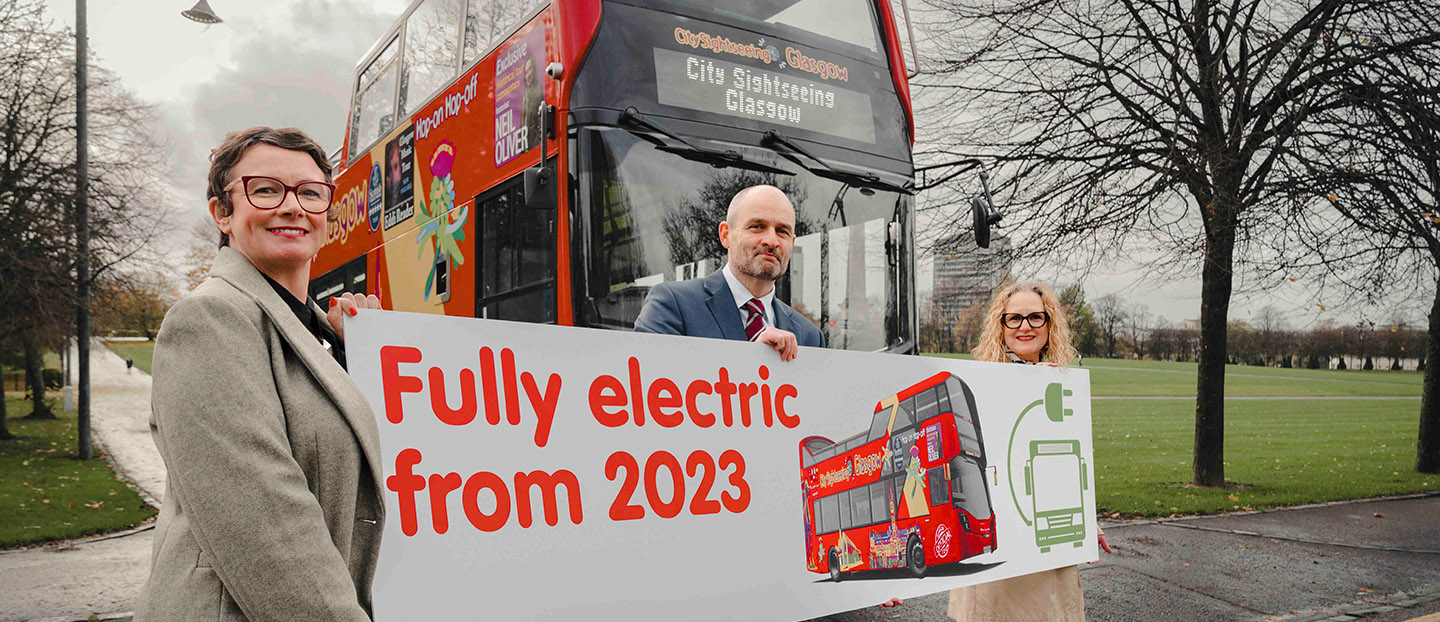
x=1050, y=595
x=1046, y=596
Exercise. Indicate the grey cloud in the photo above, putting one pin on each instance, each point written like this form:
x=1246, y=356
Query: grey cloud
x=291, y=69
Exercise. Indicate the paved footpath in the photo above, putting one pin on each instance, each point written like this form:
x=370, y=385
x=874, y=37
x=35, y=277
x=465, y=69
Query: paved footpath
x=71, y=581
x=1375, y=560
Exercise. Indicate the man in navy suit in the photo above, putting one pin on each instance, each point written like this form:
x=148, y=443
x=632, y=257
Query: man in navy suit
x=738, y=301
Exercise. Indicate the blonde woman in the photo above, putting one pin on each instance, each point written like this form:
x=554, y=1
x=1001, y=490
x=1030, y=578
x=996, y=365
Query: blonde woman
x=1025, y=324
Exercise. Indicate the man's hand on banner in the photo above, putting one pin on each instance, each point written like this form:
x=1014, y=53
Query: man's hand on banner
x=783, y=341
x=893, y=602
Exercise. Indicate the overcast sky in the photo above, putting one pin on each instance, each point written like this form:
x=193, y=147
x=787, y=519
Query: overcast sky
x=288, y=62
x=277, y=63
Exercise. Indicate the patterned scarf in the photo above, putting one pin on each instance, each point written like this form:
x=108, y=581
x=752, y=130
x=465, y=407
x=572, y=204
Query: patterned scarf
x=1015, y=358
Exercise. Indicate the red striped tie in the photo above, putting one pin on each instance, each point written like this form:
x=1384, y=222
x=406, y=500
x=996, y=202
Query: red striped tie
x=754, y=318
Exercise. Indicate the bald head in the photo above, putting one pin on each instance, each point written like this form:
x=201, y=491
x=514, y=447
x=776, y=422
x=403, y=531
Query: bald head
x=763, y=193
x=759, y=233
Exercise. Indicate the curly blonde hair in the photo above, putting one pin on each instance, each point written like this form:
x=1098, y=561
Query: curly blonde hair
x=1058, y=348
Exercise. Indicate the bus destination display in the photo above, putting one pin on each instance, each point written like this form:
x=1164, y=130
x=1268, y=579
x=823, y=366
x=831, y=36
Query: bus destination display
x=722, y=87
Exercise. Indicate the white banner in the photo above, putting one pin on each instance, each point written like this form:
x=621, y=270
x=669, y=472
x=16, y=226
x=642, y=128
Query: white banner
x=551, y=473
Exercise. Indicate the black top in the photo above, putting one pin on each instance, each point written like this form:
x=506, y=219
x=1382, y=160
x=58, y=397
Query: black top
x=315, y=322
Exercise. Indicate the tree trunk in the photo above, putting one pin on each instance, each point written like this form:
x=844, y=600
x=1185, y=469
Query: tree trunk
x=1427, y=449
x=5, y=434
x=34, y=372
x=1216, y=281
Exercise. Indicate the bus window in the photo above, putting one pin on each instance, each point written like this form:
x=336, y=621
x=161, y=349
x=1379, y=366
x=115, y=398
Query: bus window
x=968, y=488
x=939, y=492
x=651, y=215
x=958, y=403
x=926, y=406
x=966, y=424
x=828, y=514
x=879, y=425
x=432, y=34
x=880, y=500
x=825, y=454
x=905, y=417
x=347, y=278
x=374, y=113
x=813, y=450
x=860, y=506
x=516, y=250
x=488, y=21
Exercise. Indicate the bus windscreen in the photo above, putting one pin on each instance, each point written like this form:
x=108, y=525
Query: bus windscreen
x=1057, y=482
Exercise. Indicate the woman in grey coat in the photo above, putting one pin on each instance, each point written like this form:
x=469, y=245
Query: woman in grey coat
x=273, y=508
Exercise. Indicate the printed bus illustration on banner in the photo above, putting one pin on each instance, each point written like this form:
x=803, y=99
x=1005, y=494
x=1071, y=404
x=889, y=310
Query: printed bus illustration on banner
x=1051, y=472
x=907, y=493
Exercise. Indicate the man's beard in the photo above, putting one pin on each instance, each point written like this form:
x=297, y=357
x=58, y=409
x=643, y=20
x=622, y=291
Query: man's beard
x=766, y=272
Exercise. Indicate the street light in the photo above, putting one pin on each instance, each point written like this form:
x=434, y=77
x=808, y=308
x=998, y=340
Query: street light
x=202, y=13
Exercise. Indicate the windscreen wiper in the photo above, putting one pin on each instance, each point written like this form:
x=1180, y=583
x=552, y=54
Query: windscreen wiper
x=631, y=119
x=774, y=138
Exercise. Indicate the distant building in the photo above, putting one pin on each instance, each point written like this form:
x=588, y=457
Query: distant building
x=966, y=274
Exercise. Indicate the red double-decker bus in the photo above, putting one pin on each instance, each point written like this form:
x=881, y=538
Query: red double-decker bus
x=907, y=493
x=551, y=161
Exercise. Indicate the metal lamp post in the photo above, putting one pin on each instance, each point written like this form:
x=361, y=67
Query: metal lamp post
x=82, y=232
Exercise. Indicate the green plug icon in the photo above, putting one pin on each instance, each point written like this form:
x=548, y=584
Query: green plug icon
x=1054, y=406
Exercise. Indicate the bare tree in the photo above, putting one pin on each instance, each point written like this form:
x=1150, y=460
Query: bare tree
x=1110, y=320
x=937, y=332
x=1139, y=322
x=1383, y=182
x=1158, y=120
x=1270, y=330
x=37, y=179
x=200, y=253
x=1085, y=334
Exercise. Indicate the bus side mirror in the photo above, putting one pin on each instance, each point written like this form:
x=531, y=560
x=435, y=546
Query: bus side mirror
x=985, y=217
x=539, y=182
x=1029, y=487
x=1084, y=481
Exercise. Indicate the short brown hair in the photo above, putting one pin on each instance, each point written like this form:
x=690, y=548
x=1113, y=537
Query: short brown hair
x=224, y=158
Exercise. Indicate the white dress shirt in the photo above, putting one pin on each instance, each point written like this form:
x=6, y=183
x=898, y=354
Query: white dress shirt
x=742, y=296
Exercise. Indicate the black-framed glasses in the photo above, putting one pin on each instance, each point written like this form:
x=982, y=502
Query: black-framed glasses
x=268, y=193
x=1037, y=319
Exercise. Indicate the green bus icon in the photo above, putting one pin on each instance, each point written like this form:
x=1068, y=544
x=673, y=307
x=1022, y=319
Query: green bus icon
x=1054, y=481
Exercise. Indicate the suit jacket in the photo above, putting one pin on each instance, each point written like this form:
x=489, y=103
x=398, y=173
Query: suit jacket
x=706, y=308
x=273, y=508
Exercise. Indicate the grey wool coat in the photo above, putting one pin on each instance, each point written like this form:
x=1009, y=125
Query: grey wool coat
x=273, y=508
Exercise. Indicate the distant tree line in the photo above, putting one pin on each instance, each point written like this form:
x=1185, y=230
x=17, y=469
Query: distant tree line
x=1111, y=328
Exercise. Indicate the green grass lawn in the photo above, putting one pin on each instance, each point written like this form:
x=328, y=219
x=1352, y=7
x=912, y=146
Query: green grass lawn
x=1122, y=377
x=1278, y=452
x=142, y=351
x=46, y=494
